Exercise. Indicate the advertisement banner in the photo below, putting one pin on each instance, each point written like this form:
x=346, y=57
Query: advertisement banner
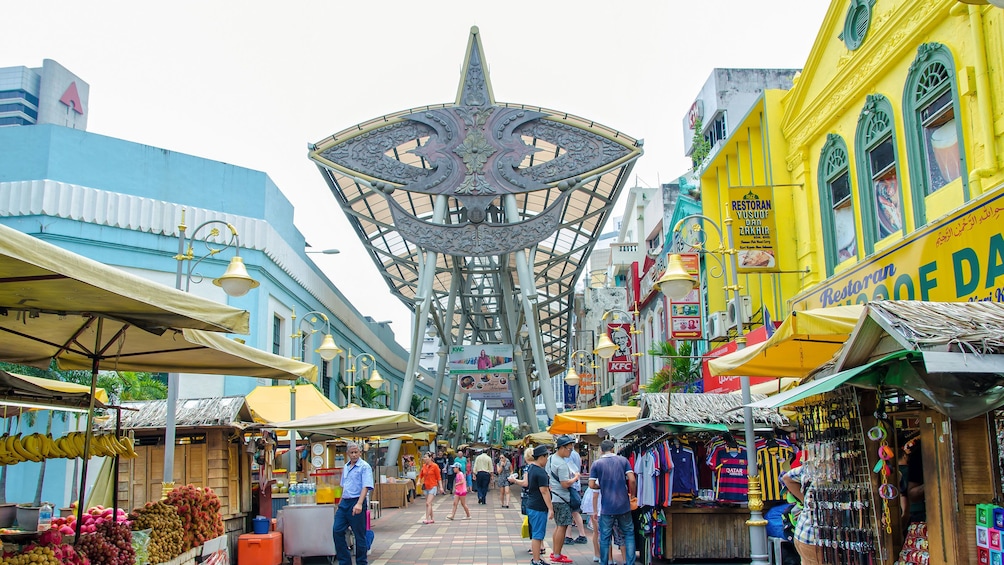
x=587, y=384
x=485, y=358
x=481, y=386
x=570, y=396
x=686, y=320
x=622, y=361
x=957, y=259
x=753, y=227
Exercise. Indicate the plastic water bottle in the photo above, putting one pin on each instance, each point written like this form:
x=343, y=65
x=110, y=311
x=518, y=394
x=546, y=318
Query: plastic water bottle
x=293, y=488
x=45, y=517
x=313, y=493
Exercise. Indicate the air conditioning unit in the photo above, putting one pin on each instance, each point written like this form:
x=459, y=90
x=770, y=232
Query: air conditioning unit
x=718, y=327
x=747, y=306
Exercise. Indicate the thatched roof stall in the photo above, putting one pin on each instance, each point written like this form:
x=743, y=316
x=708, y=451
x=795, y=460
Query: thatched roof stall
x=702, y=408
x=210, y=448
x=151, y=415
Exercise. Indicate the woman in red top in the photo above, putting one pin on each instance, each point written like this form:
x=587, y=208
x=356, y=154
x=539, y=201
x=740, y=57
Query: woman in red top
x=432, y=480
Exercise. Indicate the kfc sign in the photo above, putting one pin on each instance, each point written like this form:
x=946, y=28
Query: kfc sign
x=620, y=366
x=621, y=361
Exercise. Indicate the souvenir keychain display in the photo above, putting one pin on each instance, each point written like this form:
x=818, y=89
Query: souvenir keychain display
x=845, y=520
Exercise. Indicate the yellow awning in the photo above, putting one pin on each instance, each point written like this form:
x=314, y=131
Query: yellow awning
x=271, y=403
x=805, y=340
x=64, y=387
x=590, y=420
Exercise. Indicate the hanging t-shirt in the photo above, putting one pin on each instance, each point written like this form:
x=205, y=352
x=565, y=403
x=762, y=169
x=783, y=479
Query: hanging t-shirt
x=771, y=462
x=645, y=472
x=731, y=475
x=684, y=473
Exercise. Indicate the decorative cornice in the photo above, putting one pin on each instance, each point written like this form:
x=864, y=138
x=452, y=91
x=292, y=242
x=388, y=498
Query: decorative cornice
x=856, y=70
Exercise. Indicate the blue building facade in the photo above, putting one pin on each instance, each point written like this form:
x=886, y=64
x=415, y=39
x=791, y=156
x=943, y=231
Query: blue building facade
x=121, y=203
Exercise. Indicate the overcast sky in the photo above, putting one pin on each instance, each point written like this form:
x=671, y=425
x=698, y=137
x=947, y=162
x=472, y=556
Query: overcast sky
x=252, y=83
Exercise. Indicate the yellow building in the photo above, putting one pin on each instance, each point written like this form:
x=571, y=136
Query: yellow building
x=882, y=163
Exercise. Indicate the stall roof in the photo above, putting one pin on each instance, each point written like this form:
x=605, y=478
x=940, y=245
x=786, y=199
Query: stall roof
x=271, y=403
x=219, y=412
x=589, y=420
x=699, y=408
x=18, y=390
x=805, y=340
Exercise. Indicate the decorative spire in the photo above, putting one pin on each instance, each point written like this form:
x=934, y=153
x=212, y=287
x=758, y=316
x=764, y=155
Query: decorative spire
x=475, y=88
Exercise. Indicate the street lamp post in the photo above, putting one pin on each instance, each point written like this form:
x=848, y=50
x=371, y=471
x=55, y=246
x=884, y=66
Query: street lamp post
x=676, y=283
x=327, y=350
x=577, y=359
x=235, y=282
x=606, y=347
x=364, y=363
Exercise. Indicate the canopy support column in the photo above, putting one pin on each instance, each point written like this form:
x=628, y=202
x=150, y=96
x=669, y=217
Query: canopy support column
x=423, y=300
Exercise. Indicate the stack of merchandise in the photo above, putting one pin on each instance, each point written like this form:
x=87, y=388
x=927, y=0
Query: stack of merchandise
x=915, y=549
x=989, y=524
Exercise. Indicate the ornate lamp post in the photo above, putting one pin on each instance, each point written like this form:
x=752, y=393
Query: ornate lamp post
x=676, y=283
x=327, y=350
x=235, y=282
x=576, y=361
x=365, y=364
x=605, y=346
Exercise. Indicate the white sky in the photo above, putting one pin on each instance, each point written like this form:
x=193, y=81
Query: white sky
x=251, y=83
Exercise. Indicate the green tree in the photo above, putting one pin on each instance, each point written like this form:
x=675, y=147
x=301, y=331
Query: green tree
x=510, y=433
x=364, y=395
x=418, y=408
x=701, y=147
x=680, y=371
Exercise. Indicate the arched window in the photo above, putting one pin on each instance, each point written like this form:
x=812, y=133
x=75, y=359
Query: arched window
x=840, y=240
x=878, y=172
x=933, y=133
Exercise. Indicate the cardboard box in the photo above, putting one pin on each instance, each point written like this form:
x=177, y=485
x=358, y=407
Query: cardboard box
x=260, y=549
x=982, y=556
x=995, y=538
x=996, y=557
x=983, y=537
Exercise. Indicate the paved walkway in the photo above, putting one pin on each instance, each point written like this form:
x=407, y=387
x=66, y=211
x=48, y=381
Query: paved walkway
x=490, y=537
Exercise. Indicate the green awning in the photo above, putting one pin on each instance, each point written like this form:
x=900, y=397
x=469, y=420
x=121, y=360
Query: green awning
x=865, y=374
x=684, y=427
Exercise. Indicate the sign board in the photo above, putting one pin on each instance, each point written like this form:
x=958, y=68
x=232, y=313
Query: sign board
x=587, y=384
x=957, y=259
x=481, y=386
x=695, y=113
x=754, y=228
x=570, y=395
x=622, y=361
x=686, y=315
x=485, y=358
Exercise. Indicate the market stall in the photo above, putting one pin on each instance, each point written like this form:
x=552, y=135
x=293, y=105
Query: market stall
x=693, y=503
x=353, y=422
x=922, y=380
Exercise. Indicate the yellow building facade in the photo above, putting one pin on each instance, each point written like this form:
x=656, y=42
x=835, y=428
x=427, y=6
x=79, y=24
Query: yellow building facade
x=883, y=162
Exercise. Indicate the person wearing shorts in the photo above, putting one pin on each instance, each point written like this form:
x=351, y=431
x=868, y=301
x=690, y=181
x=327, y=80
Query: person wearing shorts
x=538, y=505
x=561, y=480
x=432, y=481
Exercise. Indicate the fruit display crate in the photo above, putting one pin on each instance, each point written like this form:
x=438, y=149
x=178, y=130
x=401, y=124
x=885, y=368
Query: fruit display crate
x=187, y=558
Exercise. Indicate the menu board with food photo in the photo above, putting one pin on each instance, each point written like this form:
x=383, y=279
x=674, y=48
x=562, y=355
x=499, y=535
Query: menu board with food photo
x=754, y=228
x=685, y=313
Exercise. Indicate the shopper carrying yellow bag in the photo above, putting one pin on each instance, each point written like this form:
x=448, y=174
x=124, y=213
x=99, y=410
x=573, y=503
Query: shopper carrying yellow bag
x=524, y=531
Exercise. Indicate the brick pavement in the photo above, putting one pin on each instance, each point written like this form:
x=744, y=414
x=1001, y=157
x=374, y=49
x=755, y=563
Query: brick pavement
x=490, y=537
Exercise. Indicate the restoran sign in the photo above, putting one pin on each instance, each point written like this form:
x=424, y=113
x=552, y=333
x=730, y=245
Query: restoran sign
x=958, y=259
x=754, y=228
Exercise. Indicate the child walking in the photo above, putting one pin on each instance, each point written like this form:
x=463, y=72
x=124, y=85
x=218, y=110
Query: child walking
x=459, y=493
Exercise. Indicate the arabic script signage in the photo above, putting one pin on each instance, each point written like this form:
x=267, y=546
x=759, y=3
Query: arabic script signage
x=958, y=259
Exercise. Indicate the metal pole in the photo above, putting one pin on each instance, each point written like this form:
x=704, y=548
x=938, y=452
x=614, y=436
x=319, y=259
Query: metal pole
x=170, y=426
x=756, y=523
x=292, y=435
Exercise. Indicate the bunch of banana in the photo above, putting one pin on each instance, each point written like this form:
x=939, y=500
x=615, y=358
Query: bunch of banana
x=15, y=449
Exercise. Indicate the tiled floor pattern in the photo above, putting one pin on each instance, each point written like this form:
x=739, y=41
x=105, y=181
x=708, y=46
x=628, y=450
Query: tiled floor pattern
x=490, y=537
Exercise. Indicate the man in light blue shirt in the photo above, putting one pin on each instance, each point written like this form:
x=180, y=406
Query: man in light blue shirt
x=357, y=482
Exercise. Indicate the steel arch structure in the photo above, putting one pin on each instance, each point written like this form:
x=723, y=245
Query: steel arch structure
x=480, y=216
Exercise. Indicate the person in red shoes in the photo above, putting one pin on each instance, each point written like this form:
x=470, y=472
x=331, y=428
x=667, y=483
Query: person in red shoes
x=561, y=480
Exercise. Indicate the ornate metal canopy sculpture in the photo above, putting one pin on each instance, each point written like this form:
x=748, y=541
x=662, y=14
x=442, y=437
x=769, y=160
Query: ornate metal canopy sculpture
x=478, y=187
x=476, y=151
